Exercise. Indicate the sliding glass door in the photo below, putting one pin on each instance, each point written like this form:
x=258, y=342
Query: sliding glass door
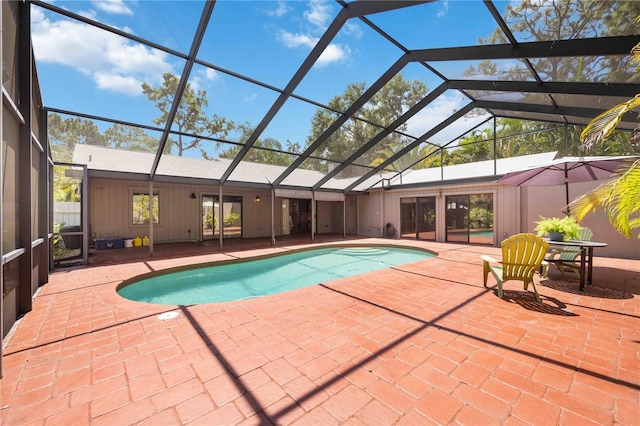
x=418, y=218
x=426, y=218
x=469, y=218
x=231, y=217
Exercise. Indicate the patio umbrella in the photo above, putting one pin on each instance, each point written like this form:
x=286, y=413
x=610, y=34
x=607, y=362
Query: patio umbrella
x=567, y=170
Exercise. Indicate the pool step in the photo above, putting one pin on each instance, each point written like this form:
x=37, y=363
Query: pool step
x=362, y=251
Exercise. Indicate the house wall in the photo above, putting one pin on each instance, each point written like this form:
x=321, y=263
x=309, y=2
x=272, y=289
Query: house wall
x=515, y=210
x=337, y=217
x=505, y=214
x=370, y=214
x=110, y=210
x=549, y=201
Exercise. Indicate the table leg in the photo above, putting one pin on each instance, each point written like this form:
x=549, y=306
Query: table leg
x=582, y=267
x=590, y=265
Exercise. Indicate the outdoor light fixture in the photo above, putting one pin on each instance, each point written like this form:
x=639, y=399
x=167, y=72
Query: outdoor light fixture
x=193, y=195
x=257, y=198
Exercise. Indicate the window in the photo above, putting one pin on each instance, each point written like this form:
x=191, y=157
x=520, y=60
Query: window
x=141, y=208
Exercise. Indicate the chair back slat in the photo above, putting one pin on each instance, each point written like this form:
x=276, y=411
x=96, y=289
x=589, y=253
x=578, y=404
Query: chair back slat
x=522, y=255
x=569, y=254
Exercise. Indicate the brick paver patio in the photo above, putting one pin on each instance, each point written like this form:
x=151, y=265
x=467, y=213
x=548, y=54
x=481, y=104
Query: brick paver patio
x=423, y=343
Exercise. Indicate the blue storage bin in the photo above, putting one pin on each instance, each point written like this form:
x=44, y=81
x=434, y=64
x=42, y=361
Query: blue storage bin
x=108, y=243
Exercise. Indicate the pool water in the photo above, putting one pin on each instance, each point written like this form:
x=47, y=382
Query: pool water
x=261, y=277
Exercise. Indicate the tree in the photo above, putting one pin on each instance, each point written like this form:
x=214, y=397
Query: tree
x=191, y=116
x=131, y=138
x=534, y=20
x=383, y=108
x=264, y=151
x=64, y=134
x=618, y=197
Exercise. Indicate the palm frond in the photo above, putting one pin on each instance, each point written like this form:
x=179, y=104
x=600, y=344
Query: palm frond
x=619, y=199
x=590, y=201
x=635, y=56
x=604, y=124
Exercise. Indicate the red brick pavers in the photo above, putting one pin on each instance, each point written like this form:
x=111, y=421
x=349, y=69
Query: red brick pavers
x=423, y=343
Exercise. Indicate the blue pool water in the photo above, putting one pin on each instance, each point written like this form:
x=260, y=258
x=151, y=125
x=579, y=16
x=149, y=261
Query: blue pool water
x=261, y=277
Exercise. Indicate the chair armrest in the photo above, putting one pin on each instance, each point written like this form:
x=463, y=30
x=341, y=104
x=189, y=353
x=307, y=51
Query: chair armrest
x=487, y=258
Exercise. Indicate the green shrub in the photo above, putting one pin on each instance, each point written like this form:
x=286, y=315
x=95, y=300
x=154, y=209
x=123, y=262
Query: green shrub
x=566, y=226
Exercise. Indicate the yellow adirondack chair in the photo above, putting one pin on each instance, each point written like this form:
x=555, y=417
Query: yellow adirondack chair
x=522, y=254
x=567, y=256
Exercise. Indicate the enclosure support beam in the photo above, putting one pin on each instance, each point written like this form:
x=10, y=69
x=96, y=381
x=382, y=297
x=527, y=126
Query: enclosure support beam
x=273, y=216
x=344, y=218
x=220, y=221
x=151, y=216
x=85, y=215
x=25, y=152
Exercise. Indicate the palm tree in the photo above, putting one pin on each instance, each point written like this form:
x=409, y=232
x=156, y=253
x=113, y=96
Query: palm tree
x=618, y=197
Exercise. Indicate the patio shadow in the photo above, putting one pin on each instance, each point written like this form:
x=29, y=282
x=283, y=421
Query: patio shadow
x=527, y=300
x=589, y=290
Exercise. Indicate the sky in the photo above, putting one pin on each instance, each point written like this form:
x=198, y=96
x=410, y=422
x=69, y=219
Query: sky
x=85, y=69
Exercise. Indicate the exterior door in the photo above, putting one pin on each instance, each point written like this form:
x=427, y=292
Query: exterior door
x=470, y=218
x=426, y=218
x=300, y=210
x=457, y=217
x=408, y=217
x=231, y=217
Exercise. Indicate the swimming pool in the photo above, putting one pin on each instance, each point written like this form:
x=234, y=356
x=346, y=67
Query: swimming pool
x=260, y=277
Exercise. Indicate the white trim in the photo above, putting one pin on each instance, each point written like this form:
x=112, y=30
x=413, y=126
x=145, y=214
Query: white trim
x=6, y=258
x=13, y=108
x=36, y=143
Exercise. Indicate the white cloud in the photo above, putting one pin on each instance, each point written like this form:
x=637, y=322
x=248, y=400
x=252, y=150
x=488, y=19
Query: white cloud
x=281, y=9
x=353, y=29
x=319, y=13
x=113, y=62
x=201, y=76
x=443, y=9
x=296, y=40
x=211, y=74
x=333, y=53
x=437, y=112
x=117, y=83
x=113, y=6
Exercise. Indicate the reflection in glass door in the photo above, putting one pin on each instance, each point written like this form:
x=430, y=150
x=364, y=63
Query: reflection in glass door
x=210, y=226
x=457, y=217
x=470, y=218
x=426, y=218
x=481, y=218
x=231, y=217
x=418, y=218
x=408, y=217
x=300, y=210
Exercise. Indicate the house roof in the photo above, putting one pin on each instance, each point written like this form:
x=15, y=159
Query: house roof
x=122, y=163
